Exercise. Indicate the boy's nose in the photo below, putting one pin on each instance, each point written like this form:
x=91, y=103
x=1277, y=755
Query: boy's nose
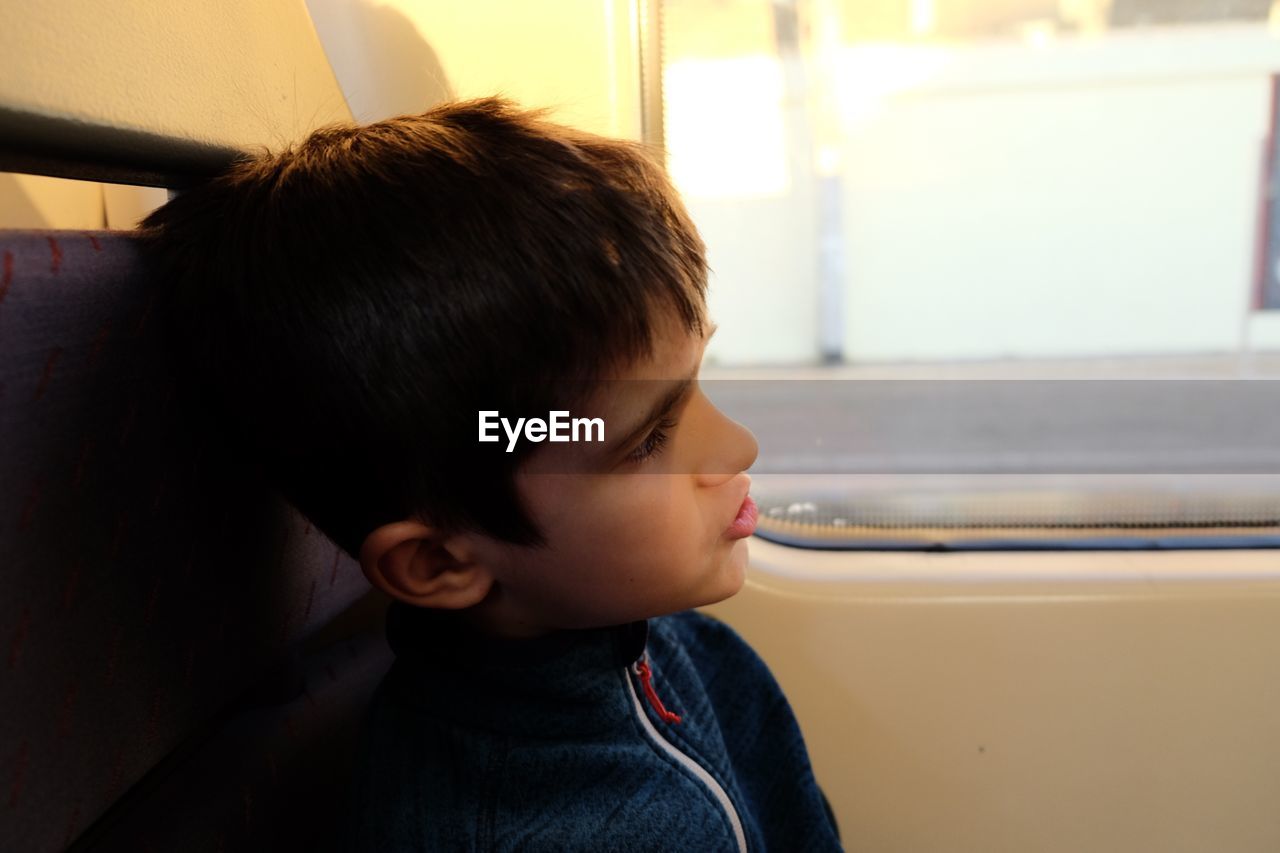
x=733, y=449
x=749, y=447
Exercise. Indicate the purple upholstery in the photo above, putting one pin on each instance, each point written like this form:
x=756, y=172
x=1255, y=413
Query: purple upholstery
x=272, y=777
x=151, y=581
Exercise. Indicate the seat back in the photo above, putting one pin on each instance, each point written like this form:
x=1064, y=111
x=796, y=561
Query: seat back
x=160, y=600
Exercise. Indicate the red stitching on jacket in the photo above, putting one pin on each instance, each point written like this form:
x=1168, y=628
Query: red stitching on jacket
x=646, y=679
x=57, y=254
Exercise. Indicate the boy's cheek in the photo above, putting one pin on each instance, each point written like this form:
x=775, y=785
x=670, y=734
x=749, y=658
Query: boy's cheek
x=556, y=500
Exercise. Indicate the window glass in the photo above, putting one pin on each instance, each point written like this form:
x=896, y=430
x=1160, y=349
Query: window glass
x=969, y=192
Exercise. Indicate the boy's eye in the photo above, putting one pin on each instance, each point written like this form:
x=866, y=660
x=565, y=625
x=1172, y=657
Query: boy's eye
x=654, y=442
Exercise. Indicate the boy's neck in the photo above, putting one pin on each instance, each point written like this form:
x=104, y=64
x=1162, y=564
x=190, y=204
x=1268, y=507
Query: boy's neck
x=488, y=620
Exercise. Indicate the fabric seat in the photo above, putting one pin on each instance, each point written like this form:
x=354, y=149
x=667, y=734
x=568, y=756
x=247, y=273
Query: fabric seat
x=162, y=605
x=272, y=774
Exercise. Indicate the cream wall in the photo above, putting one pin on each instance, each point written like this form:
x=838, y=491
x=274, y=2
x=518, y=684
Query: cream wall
x=578, y=57
x=174, y=81
x=221, y=75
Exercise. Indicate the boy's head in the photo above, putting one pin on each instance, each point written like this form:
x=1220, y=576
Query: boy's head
x=346, y=308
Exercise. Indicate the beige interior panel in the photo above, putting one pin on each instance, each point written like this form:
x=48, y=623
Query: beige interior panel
x=159, y=88
x=1050, y=702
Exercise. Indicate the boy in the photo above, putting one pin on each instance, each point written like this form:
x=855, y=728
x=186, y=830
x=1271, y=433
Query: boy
x=352, y=309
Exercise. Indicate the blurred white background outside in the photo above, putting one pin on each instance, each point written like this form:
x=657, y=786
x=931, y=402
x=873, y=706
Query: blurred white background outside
x=1004, y=193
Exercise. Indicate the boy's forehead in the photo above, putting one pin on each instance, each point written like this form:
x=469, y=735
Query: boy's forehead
x=676, y=350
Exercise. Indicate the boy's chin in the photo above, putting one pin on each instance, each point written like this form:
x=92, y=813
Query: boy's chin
x=738, y=565
x=732, y=574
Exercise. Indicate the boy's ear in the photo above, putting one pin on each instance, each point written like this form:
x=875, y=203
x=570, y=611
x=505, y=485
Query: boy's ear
x=414, y=563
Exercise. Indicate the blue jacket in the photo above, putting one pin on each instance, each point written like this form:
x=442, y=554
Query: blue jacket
x=665, y=734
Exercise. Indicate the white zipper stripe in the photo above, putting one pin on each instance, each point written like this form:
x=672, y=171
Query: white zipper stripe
x=693, y=766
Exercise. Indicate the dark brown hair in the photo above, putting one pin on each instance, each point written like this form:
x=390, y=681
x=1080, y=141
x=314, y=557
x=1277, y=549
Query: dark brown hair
x=345, y=307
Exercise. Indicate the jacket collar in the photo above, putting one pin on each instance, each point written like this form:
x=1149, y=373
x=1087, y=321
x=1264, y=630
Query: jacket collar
x=557, y=686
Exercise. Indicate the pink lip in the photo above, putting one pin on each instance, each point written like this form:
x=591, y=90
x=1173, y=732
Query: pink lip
x=745, y=524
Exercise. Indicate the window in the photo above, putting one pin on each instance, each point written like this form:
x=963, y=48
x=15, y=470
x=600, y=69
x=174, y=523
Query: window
x=969, y=192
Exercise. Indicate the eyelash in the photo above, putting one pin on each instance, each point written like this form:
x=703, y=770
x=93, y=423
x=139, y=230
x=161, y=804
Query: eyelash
x=653, y=444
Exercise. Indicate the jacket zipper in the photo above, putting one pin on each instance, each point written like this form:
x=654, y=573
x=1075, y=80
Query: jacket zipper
x=642, y=671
